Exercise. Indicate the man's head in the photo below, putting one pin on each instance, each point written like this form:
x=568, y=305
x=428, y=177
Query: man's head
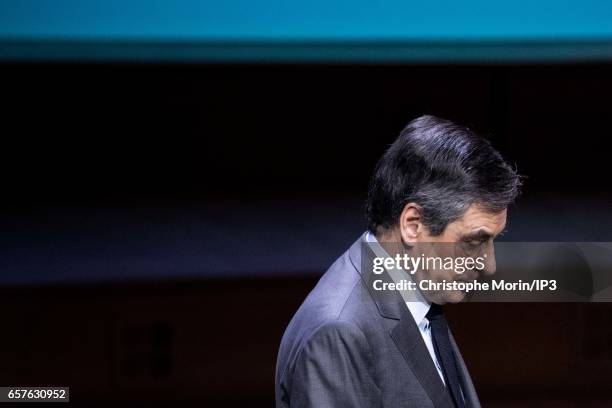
x=441, y=183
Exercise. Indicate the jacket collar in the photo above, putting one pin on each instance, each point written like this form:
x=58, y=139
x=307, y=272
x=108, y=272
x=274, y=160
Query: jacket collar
x=405, y=333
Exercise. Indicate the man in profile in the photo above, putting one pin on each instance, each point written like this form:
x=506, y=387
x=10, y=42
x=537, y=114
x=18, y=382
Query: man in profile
x=347, y=346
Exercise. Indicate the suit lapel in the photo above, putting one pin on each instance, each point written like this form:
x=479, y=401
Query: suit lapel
x=405, y=333
x=408, y=340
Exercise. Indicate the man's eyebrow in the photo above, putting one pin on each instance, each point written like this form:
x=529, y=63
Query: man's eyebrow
x=479, y=235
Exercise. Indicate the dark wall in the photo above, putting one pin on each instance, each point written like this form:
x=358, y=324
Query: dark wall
x=255, y=140
x=123, y=133
x=214, y=343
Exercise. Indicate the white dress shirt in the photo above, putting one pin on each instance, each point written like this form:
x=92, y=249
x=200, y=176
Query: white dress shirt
x=417, y=304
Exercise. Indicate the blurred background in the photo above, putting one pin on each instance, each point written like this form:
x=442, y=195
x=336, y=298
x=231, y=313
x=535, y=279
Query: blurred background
x=176, y=176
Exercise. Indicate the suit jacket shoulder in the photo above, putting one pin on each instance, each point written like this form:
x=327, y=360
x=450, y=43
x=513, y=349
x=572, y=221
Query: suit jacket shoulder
x=346, y=348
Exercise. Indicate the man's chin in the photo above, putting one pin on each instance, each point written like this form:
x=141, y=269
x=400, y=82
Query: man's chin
x=451, y=296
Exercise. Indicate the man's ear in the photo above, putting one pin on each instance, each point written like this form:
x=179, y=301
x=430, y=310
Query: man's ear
x=410, y=223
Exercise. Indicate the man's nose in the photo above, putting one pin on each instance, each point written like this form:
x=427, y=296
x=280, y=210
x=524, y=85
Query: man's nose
x=489, y=260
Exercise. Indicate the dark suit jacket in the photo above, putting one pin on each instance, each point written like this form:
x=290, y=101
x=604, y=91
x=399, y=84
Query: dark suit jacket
x=347, y=347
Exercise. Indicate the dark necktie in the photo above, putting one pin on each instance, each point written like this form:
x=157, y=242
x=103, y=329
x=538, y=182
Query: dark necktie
x=444, y=352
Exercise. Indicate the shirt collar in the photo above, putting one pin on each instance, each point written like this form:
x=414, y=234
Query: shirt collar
x=416, y=302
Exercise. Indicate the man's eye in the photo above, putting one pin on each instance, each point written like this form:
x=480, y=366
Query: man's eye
x=473, y=244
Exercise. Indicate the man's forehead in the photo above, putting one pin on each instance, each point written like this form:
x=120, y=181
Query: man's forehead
x=477, y=218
